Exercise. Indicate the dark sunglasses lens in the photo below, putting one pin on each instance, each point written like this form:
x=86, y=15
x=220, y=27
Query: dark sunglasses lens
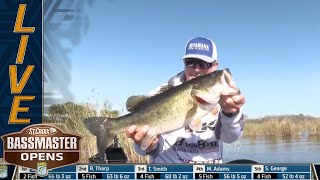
x=202, y=64
x=205, y=65
x=190, y=63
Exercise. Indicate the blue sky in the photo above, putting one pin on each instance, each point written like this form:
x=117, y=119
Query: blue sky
x=272, y=48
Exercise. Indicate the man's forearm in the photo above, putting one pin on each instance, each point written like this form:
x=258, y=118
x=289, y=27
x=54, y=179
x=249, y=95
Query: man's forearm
x=231, y=127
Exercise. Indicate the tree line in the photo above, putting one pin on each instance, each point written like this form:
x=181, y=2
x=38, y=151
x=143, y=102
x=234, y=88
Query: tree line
x=58, y=113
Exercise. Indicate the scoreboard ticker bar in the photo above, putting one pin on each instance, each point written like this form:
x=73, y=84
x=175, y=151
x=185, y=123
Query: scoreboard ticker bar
x=175, y=171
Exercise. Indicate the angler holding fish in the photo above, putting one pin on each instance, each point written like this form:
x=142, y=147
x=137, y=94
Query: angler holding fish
x=186, y=120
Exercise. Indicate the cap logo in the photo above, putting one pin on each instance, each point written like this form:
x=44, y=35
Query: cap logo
x=199, y=46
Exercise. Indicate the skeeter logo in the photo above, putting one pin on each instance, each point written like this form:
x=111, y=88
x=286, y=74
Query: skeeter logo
x=42, y=131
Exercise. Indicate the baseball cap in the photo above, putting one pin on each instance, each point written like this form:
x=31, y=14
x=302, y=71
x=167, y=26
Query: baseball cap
x=201, y=48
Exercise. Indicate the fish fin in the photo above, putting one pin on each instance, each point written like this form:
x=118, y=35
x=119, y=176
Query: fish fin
x=95, y=124
x=196, y=124
x=163, y=89
x=147, y=140
x=133, y=102
x=204, y=97
x=160, y=89
x=194, y=116
x=103, y=129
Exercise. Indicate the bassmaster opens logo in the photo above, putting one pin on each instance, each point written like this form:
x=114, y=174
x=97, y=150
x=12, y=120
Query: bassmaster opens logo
x=41, y=143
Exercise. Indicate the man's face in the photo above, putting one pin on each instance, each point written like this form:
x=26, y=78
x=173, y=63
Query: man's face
x=196, y=67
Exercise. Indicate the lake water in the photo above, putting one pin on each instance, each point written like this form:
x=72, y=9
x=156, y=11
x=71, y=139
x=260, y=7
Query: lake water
x=275, y=150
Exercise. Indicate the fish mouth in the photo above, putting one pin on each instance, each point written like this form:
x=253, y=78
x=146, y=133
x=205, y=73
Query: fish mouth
x=201, y=101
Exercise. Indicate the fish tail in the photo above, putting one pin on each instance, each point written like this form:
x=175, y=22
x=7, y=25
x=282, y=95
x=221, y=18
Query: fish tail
x=104, y=129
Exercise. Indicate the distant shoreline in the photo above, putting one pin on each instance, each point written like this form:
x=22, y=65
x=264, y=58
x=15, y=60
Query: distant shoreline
x=285, y=125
